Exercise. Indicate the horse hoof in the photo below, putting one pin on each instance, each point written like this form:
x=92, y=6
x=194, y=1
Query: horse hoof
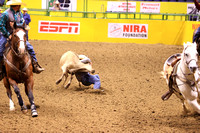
x=24, y=111
x=34, y=113
x=12, y=109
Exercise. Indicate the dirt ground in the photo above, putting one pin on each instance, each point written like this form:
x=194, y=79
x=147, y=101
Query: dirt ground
x=131, y=101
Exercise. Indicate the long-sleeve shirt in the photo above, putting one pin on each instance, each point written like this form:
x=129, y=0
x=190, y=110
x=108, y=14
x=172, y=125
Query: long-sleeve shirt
x=10, y=16
x=27, y=18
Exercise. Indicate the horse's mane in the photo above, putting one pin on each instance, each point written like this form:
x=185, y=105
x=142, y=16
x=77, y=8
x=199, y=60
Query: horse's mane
x=16, y=26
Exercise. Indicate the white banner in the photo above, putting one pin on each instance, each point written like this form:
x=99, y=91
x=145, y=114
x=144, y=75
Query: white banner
x=113, y=6
x=123, y=30
x=190, y=8
x=150, y=7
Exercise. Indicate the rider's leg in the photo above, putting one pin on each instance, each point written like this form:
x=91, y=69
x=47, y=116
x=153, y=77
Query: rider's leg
x=36, y=67
x=3, y=41
x=196, y=35
x=92, y=79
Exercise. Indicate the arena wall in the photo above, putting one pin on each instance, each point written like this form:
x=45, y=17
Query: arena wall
x=97, y=30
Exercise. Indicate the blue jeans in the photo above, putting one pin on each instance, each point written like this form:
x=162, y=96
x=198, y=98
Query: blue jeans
x=3, y=41
x=196, y=35
x=89, y=79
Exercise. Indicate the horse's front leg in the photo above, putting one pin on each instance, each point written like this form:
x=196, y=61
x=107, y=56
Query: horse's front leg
x=17, y=91
x=9, y=93
x=29, y=92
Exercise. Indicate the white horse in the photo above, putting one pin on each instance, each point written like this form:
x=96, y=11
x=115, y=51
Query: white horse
x=184, y=77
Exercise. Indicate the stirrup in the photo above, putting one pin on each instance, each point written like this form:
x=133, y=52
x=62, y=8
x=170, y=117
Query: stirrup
x=37, y=68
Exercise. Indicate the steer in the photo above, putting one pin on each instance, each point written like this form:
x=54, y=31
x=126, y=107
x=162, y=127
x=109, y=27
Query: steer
x=70, y=64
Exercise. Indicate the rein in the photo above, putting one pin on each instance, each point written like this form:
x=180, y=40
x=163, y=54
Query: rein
x=19, y=56
x=15, y=68
x=185, y=80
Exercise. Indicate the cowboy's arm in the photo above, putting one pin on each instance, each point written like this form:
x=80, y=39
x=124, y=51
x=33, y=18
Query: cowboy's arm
x=86, y=60
x=3, y=20
x=197, y=4
x=29, y=18
x=21, y=20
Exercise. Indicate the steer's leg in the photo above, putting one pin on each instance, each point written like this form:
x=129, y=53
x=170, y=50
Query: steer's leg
x=68, y=84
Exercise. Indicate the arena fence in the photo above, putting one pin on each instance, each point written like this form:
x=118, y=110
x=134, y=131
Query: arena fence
x=113, y=15
x=141, y=28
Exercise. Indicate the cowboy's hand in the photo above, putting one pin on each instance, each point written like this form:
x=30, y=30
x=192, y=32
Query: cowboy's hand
x=9, y=38
x=12, y=24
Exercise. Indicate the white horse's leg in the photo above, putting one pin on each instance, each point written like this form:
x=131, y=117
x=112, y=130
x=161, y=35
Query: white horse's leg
x=12, y=107
x=185, y=110
x=195, y=105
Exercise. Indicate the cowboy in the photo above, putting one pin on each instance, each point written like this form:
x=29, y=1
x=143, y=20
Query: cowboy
x=197, y=32
x=7, y=19
x=85, y=77
x=57, y=6
x=27, y=19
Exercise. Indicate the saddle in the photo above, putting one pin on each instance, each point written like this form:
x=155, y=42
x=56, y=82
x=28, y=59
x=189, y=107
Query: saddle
x=170, y=69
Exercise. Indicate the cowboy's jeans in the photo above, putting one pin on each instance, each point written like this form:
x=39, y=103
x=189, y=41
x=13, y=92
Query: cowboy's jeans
x=197, y=34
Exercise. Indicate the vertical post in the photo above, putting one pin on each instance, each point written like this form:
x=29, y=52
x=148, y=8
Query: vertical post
x=83, y=5
x=86, y=8
x=127, y=9
x=48, y=4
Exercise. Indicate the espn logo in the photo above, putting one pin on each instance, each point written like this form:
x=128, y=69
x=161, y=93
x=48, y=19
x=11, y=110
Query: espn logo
x=59, y=27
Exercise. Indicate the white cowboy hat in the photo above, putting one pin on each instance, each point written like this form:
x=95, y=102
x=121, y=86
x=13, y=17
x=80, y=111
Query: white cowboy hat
x=15, y=2
x=25, y=9
x=57, y=2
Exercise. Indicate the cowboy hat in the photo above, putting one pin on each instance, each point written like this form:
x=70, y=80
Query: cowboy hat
x=15, y=2
x=25, y=9
x=57, y=2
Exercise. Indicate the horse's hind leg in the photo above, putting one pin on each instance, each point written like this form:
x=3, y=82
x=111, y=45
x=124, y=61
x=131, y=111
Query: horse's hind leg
x=9, y=94
x=17, y=91
x=29, y=92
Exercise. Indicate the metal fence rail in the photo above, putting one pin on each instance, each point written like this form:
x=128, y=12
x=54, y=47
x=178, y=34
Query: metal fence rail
x=113, y=15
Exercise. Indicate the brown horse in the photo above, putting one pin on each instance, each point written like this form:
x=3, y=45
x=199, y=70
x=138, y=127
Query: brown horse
x=18, y=69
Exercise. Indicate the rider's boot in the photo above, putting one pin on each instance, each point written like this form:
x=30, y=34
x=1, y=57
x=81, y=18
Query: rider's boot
x=36, y=67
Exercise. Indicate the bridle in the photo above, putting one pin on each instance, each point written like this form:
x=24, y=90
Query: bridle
x=18, y=55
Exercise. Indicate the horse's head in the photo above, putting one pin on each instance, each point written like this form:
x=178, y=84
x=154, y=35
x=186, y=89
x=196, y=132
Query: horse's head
x=190, y=56
x=18, y=40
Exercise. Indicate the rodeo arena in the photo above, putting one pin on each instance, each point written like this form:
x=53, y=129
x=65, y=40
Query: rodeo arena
x=100, y=66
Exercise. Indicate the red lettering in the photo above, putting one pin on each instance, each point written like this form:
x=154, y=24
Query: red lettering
x=44, y=28
x=143, y=29
x=131, y=28
x=53, y=28
x=59, y=27
x=126, y=28
x=136, y=28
